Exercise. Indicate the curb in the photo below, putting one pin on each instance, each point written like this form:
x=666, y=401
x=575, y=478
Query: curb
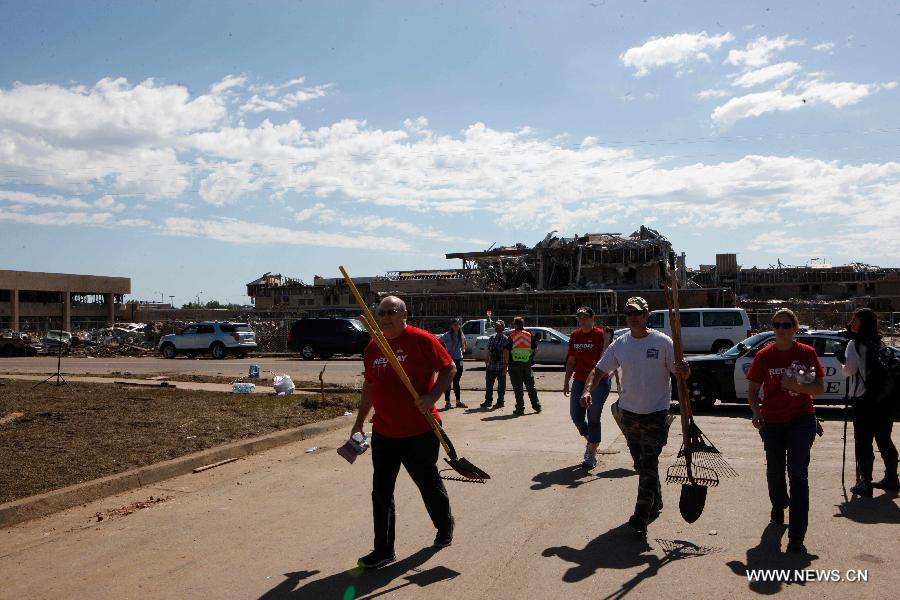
x=34, y=507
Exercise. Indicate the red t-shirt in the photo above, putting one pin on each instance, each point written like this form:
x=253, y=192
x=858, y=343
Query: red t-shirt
x=780, y=405
x=587, y=349
x=421, y=356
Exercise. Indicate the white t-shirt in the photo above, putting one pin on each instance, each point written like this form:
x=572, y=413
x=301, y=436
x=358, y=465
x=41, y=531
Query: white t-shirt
x=855, y=365
x=646, y=364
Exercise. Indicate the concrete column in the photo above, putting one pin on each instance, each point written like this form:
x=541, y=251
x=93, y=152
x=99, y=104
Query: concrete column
x=67, y=311
x=110, y=308
x=14, y=309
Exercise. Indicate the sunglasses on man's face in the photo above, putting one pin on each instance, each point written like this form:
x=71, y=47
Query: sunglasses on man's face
x=779, y=325
x=391, y=312
x=633, y=313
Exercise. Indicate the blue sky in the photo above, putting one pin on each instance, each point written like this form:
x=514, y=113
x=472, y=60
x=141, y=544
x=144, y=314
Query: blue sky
x=194, y=146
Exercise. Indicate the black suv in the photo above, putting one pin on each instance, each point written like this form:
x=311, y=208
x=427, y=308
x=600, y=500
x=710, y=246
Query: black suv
x=325, y=337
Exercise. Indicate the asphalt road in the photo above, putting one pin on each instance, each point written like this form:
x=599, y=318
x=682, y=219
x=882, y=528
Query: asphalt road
x=343, y=372
x=288, y=523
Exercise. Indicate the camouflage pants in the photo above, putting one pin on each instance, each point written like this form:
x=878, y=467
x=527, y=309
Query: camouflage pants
x=646, y=435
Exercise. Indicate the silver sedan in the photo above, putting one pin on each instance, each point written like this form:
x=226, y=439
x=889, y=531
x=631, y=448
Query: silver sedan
x=553, y=345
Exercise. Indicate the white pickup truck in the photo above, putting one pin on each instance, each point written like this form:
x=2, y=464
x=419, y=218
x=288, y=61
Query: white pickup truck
x=473, y=330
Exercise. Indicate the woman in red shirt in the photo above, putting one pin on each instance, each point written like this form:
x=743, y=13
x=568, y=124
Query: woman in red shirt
x=789, y=374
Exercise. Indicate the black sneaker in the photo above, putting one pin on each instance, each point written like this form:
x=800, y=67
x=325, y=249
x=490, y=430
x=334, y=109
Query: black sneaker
x=448, y=406
x=376, y=559
x=443, y=539
x=498, y=406
x=637, y=524
x=537, y=409
x=461, y=405
x=776, y=517
x=519, y=411
x=484, y=405
x=862, y=488
x=796, y=547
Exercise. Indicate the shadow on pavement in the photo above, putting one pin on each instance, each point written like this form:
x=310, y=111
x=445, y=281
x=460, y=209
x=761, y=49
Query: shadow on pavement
x=506, y=417
x=616, y=473
x=571, y=477
x=358, y=583
x=880, y=509
x=767, y=555
x=621, y=548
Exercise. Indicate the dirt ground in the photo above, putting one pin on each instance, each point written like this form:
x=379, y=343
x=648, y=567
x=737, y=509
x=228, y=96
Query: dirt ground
x=66, y=435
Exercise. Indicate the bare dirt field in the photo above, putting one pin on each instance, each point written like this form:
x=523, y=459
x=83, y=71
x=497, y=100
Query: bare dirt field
x=52, y=437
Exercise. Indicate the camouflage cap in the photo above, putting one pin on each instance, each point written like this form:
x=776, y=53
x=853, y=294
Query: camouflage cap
x=638, y=303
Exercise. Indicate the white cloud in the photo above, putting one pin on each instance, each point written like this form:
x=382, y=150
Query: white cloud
x=759, y=76
x=707, y=94
x=677, y=49
x=234, y=231
x=760, y=51
x=348, y=182
x=278, y=101
x=824, y=47
x=838, y=94
x=228, y=82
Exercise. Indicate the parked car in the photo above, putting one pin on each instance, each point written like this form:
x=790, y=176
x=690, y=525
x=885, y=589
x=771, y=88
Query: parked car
x=553, y=345
x=56, y=340
x=218, y=338
x=724, y=376
x=325, y=337
x=14, y=344
x=472, y=330
x=703, y=329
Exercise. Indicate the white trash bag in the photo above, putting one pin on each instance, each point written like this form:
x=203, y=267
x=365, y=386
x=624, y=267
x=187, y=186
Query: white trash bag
x=283, y=385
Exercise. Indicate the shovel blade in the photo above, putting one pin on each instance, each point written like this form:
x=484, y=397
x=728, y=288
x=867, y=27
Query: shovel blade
x=692, y=501
x=466, y=469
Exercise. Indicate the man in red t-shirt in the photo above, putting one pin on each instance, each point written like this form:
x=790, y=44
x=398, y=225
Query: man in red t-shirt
x=586, y=345
x=790, y=374
x=400, y=432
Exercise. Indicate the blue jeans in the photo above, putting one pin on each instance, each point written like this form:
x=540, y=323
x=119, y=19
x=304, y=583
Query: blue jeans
x=787, y=445
x=590, y=426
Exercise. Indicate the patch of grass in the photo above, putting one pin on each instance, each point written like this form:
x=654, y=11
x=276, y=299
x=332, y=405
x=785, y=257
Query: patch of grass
x=68, y=435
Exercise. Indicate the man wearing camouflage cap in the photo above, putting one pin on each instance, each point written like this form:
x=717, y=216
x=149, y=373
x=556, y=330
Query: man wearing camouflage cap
x=646, y=357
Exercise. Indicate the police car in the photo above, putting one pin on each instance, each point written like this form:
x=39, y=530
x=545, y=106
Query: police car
x=723, y=376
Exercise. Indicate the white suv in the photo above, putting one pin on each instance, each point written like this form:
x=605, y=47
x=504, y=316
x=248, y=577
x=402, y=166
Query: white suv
x=219, y=338
x=704, y=329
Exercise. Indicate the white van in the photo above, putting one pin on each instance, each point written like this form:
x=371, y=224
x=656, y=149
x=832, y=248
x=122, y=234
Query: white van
x=704, y=329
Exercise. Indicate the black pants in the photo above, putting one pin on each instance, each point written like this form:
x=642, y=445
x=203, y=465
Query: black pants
x=787, y=448
x=419, y=455
x=873, y=421
x=455, y=386
x=520, y=375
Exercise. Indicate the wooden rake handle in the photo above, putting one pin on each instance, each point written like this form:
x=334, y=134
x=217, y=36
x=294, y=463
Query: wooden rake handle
x=377, y=335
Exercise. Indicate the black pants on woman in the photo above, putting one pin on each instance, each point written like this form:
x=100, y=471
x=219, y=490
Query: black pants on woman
x=455, y=386
x=418, y=454
x=787, y=448
x=873, y=421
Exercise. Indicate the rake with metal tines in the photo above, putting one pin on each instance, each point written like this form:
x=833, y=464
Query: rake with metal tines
x=699, y=464
x=468, y=471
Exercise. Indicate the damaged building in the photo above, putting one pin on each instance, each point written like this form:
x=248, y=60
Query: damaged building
x=816, y=281
x=547, y=282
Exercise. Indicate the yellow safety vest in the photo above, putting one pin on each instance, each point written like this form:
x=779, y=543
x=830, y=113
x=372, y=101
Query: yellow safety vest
x=521, y=345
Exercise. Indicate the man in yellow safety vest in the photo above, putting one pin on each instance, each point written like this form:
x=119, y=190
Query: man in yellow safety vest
x=522, y=347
